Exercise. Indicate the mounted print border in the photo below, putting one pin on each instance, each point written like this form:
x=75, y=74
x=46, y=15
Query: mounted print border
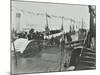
x=52, y=37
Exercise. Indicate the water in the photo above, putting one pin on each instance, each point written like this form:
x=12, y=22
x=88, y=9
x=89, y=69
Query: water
x=46, y=61
x=40, y=63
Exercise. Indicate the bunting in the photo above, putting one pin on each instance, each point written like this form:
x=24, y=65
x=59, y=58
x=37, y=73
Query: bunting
x=42, y=14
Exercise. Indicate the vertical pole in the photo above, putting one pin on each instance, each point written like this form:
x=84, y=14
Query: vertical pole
x=15, y=54
x=47, y=29
x=46, y=19
x=62, y=20
x=82, y=24
x=62, y=49
x=70, y=26
x=62, y=24
x=12, y=38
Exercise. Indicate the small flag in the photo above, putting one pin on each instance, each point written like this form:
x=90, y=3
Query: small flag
x=48, y=16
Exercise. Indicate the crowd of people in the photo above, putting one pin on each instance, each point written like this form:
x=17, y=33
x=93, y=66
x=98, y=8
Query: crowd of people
x=54, y=41
x=31, y=35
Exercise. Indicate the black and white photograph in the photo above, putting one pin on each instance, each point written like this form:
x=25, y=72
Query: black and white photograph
x=52, y=37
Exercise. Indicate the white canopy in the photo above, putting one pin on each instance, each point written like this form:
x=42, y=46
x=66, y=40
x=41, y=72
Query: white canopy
x=20, y=44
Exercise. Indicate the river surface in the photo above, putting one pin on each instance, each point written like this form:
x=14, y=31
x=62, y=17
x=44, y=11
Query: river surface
x=48, y=60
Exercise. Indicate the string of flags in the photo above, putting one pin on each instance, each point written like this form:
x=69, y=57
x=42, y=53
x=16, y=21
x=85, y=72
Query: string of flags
x=47, y=15
x=43, y=14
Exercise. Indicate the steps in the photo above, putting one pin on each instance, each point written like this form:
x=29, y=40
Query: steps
x=80, y=67
x=87, y=60
x=88, y=54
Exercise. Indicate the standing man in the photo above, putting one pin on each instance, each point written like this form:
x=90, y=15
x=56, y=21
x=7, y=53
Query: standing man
x=69, y=39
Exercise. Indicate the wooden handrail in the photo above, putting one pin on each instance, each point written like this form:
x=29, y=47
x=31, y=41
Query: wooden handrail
x=73, y=42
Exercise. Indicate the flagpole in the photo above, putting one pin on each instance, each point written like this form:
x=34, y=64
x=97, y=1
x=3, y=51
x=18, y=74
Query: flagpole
x=62, y=49
x=47, y=29
x=46, y=19
x=62, y=23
